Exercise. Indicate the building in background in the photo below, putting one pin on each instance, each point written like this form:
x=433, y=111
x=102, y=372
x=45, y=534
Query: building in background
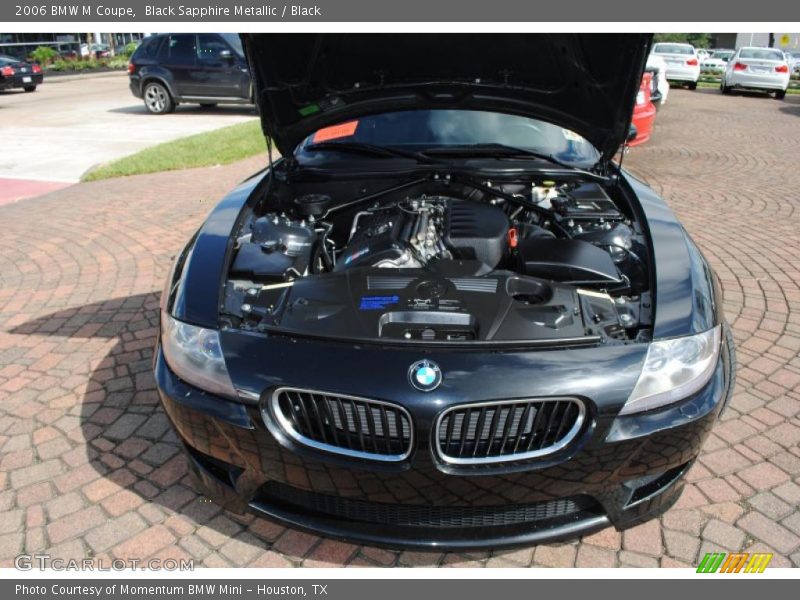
x=67, y=44
x=784, y=41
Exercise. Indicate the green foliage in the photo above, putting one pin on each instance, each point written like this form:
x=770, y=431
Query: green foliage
x=698, y=40
x=78, y=66
x=129, y=49
x=44, y=55
x=218, y=147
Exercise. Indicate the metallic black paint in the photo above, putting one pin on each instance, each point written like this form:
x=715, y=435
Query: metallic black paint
x=632, y=465
x=585, y=83
x=235, y=447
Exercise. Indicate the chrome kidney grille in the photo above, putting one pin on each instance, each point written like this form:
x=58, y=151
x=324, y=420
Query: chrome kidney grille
x=347, y=425
x=505, y=431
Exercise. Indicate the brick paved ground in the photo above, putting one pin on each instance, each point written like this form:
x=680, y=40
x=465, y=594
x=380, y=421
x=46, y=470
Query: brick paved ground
x=89, y=467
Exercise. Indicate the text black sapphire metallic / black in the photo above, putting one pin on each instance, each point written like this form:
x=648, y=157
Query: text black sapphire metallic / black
x=445, y=317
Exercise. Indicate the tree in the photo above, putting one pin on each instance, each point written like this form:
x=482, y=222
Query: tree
x=698, y=40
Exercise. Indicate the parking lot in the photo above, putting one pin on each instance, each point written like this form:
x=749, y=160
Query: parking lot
x=90, y=468
x=71, y=123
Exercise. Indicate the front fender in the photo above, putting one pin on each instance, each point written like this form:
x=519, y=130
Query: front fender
x=198, y=285
x=687, y=296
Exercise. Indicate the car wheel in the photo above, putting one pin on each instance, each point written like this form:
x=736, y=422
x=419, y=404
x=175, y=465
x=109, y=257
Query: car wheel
x=29, y=88
x=208, y=104
x=724, y=88
x=692, y=85
x=780, y=95
x=157, y=99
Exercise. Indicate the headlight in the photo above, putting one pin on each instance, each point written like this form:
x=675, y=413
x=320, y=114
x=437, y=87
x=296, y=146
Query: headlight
x=673, y=370
x=194, y=354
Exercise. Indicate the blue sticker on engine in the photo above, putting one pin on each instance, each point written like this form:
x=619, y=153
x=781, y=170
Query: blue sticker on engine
x=378, y=302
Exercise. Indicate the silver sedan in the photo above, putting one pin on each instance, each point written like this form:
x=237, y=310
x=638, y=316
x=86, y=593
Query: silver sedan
x=762, y=69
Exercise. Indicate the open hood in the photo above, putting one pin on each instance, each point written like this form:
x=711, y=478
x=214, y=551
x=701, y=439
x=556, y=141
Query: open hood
x=584, y=82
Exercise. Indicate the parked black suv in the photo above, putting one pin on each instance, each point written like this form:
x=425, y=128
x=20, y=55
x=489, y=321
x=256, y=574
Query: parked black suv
x=201, y=68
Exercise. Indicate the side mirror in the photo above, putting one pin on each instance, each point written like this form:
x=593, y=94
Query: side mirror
x=226, y=55
x=632, y=133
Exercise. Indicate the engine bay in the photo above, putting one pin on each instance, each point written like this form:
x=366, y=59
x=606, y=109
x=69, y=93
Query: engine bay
x=442, y=261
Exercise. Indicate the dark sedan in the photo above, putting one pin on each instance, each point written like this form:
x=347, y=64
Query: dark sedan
x=15, y=73
x=445, y=318
x=189, y=68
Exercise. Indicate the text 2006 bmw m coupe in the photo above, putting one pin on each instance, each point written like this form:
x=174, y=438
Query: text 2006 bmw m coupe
x=444, y=318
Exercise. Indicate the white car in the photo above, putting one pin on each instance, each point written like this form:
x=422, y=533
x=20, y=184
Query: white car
x=682, y=63
x=702, y=54
x=717, y=61
x=658, y=66
x=753, y=68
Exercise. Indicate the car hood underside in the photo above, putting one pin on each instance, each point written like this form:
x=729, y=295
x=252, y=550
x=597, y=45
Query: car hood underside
x=584, y=82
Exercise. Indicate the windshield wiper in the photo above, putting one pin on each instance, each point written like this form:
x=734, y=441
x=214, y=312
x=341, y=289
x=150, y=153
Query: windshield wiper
x=370, y=150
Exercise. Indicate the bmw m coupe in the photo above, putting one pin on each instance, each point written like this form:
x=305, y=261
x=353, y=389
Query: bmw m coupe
x=445, y=317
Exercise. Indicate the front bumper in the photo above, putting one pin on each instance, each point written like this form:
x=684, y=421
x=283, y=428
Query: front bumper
x=757, y=81
x=622, y=472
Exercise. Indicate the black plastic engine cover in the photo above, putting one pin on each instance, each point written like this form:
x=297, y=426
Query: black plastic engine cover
x=477, y=230
x=570, y=261
x=422, y=305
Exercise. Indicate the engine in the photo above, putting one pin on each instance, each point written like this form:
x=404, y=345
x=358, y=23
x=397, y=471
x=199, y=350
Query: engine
x=414, y=232
x=534, y=262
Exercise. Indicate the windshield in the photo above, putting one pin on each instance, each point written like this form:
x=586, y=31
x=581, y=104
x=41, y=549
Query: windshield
x=761, y=54
x=722, y=54
x=673, y=49
x=420, y=130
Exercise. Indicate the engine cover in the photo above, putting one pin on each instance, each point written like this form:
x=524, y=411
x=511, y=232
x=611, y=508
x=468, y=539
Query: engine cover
x=475, y=230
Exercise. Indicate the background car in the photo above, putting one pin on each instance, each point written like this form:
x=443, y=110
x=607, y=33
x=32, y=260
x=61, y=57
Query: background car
x=660, y=85
x=716, y=61
x=16, y=73
x=100, y=50
x=762, y=69
x=683, y=66
x=644, y=113
x=702, y=54
x=200, y=68
x=794, y=62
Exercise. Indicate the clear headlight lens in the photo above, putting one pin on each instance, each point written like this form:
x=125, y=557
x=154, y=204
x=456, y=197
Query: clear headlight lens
x=673, y=370
x=194, y=354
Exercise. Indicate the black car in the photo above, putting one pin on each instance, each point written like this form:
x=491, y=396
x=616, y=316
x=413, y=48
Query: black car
x=15, y=73
x=200, y=68
x=445, y=318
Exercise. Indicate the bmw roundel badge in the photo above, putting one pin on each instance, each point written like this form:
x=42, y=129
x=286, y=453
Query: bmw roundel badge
x=425, y=375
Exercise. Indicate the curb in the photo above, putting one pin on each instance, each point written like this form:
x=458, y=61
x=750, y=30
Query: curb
x=53, y=78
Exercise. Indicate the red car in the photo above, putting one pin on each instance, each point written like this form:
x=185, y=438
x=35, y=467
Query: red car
x=644, y=113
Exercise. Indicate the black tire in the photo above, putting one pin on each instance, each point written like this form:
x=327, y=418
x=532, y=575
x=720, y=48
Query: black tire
x=208, y=104
x=725, y=89
x=729, y=348
x=29, y=88
x=157, y=98
x=780, y=95
x=692, y=85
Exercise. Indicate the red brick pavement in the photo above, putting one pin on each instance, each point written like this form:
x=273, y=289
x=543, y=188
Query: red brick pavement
x=90, y=468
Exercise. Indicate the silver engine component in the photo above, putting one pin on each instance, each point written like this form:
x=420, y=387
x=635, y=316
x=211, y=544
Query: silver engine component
x=427, y=217
x=408, y=234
